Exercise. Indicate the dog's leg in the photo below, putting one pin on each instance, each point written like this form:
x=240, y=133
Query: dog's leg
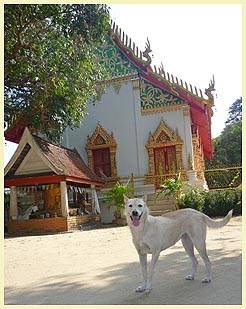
x=189, y=248
x=201, y=248
x=143, y=262
x=154, y=259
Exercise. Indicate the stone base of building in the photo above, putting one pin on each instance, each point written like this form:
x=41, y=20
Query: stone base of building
x=196, y=182
x=48, y=225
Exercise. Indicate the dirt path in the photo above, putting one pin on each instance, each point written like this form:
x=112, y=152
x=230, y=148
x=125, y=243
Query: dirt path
x=101, y=267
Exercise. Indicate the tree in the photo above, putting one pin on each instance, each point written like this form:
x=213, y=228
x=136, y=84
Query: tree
x=51, y=63
x=235, y=112
x=228, y=145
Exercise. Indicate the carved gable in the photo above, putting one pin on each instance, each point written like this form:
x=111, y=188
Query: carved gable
x=163, y=135
x=99, y=140
x=100, y=137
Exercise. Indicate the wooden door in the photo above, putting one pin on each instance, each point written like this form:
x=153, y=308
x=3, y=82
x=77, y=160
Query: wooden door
x=101, y=161
x=165, y=160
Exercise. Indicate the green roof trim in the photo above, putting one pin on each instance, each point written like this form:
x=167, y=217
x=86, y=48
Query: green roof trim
x=153, y=97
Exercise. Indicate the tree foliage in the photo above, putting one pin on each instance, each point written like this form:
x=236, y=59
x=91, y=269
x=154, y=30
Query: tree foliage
x=228, y=145
x=235, y=112
x=51, y=63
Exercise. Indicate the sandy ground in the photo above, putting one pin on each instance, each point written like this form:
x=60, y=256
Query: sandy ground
x=101, y=266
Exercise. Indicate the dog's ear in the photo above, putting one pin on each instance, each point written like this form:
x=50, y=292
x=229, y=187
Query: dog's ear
x=145, y=198
x=125, y=199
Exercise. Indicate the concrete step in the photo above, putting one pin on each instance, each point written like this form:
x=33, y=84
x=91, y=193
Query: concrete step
x=160, y=202
x=159, y=198
x=144, y=189
x=156, y=213
x=161, y=207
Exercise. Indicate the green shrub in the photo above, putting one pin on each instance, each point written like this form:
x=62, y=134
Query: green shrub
x=171, y=187
x=115, y=196
x=219, y=203
x=213, y=203
x=193, y=198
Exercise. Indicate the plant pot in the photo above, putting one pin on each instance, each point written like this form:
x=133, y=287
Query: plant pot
x=107, y=214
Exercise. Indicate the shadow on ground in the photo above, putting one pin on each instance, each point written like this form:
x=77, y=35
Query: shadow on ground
x=116, y=285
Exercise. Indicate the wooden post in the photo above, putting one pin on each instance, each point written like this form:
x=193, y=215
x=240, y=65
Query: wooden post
x=13, y=210
x=64, y=199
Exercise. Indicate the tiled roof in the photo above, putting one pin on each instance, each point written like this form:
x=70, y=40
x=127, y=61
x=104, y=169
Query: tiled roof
x=67, y=160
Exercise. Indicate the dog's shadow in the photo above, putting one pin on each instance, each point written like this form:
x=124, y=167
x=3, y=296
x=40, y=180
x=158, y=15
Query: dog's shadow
x=118, y=284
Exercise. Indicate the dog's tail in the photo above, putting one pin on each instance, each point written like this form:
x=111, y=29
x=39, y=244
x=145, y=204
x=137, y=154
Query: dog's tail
x=217, y=224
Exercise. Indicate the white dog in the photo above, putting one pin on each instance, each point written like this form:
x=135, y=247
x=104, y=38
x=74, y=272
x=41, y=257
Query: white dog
x=151, y=235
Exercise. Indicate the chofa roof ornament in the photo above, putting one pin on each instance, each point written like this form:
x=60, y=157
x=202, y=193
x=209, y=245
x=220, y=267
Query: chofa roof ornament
x=147, y=51
x=210, y=89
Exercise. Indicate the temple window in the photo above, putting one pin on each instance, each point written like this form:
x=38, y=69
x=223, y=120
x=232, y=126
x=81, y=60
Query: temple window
x=164, y=148
x=101, y=150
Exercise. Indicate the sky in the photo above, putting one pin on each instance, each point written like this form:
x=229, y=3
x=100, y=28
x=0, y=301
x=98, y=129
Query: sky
x=193, y=41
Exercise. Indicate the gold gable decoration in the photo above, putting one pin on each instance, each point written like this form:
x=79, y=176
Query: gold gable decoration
x=163, y=136
x=102, y=139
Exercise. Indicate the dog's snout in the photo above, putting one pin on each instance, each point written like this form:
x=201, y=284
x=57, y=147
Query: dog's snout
x=135, y=213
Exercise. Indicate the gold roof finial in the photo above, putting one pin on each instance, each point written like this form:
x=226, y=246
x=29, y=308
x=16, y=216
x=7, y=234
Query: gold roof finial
x=147, y=51
x=210, y=89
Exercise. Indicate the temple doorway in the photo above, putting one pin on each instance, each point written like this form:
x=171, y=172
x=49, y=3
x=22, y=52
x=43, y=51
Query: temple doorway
x=165, y=160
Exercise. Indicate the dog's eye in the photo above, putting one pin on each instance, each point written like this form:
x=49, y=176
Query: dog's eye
x=140, y=205
x=130, y=205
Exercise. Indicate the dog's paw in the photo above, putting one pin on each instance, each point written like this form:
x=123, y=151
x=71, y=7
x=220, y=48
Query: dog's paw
x=147, y=290
x=140, y=288
x=206, y=280
x=189, y=277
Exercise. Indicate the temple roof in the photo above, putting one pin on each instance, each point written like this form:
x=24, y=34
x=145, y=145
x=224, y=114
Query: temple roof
x=200, y=102
x=53, y=158
x=143, y=61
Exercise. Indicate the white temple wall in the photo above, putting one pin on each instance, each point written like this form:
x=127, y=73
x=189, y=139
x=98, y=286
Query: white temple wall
x=121, y=114
x=149, y=123
x=115, y=111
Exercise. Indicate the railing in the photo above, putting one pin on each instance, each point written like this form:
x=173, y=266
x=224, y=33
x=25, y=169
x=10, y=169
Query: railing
x=218, y=178
x=225, y=177
x=134, y=181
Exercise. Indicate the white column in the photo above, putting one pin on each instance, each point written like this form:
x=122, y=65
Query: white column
x=94, y=200
x=64, y=198
x=13, y=210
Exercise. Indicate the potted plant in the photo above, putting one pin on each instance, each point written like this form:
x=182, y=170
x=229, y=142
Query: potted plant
x=115, y=199
x=171, y=187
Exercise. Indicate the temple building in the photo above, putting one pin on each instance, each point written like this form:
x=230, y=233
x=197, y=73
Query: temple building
x=147, y=123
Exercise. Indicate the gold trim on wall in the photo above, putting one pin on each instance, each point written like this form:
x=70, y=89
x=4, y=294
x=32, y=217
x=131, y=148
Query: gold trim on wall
x=98, y=140
x=199, y=164
x=161, y=109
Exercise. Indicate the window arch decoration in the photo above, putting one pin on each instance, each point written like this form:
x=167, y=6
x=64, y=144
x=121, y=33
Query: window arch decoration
x=100, y=139
x=163, y=137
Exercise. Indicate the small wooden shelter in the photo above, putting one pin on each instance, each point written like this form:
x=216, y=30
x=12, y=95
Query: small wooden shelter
x=51, y=188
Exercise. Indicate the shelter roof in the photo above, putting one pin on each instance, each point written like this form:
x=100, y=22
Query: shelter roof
x=53, y=158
